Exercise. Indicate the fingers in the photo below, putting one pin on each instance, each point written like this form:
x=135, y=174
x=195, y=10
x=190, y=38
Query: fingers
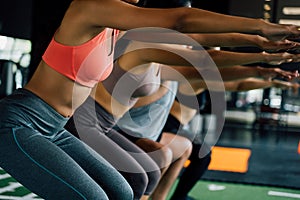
x=282, y=45
x=276, y=32
x=286, y=74
x=272, y=73
x=279, y=58
x=282, y=84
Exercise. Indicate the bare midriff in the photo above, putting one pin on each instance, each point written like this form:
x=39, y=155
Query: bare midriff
x=182, y=113
x=163, y=89
x=60, y=92
x=110, y=104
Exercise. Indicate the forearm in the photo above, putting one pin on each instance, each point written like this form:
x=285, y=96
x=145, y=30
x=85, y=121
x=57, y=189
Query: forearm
x=84, y=19
x=256, y=83
x=227, y=39
x=248, y=84
x=180, y=74
x=238, y=72
x=233, y=86
x=229, y=59
x=183, y=74
x=219, y=23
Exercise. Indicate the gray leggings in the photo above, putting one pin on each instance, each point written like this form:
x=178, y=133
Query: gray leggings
x=93, y=125
x=39, y=153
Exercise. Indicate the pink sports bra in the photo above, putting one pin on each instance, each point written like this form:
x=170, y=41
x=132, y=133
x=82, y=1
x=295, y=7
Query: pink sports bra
x=86, y=64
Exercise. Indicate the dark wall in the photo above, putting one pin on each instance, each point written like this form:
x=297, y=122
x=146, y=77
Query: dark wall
x=245, y=8
x=47, y=16
x=220, y=6
x=35, y=20
x=16, y=18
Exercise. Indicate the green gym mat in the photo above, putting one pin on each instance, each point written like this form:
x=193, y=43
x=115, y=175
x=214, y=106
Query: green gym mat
x=208, y=190
x=203, y=190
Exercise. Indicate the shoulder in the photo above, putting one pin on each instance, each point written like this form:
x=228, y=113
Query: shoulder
x=78, y=25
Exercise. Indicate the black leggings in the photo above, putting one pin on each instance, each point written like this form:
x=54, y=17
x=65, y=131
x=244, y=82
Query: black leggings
x=192, y=173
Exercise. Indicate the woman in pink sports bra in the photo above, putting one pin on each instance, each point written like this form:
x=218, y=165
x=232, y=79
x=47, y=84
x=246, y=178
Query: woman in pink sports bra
x=34, y=146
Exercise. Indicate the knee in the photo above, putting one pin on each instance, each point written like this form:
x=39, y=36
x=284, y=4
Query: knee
x=138, y=183
x=162, y=157
x=153, y=177
x=183, y=150
x=122, y=191
x=141, y=185
x=127, y=193
x=188, y=148
x=165, y=157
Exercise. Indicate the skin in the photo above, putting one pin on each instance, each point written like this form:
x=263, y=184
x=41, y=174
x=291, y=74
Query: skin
x=185, y=114
x=237, y=78
x=85, y=19
x=173, y=170
x=138, y=61
x=219, y=39
x=180, y=147
x=174, y=150
x=242, y=40
x=175, y=153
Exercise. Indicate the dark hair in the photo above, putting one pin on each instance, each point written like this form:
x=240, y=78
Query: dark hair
x=165, y=3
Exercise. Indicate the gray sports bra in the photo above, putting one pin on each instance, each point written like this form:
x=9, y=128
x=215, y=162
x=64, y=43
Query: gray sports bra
x=126, y=87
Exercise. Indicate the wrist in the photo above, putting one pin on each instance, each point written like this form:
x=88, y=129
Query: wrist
x=264, y=57
x=259, y=41
x=259, y=29
x=258, y=72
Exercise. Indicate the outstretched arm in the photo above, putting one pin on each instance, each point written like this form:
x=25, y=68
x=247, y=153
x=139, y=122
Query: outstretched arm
x=138, y=53
x=184, y=74
x=84, y=19
x=236, y=85
x=229, y=58
x=242, y=40
x=238, y=72
x=255, y=83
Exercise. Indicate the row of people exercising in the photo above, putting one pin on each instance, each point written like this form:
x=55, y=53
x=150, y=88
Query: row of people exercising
x=35, y=147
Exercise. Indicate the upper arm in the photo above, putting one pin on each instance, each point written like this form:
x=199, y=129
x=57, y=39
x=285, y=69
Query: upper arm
x=167, y=54
x=124, y=16
x=84, y=19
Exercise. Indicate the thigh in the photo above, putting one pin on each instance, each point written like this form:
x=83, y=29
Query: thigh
x=161, y=154
x=135, y=151
x=97, y=166
x=110, y=151
x=148, y=164
x=178, y=144
x=43, y=167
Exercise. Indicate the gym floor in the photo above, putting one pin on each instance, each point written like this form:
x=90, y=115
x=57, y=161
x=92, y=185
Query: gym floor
x=273, y=167
x=212, y=190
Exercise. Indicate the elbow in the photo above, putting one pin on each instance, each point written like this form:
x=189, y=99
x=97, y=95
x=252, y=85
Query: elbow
x=238, y=89
x=241, y=87
x=181, y=21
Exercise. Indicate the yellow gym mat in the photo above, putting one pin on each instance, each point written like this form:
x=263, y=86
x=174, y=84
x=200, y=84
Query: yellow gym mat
x=229, y=159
